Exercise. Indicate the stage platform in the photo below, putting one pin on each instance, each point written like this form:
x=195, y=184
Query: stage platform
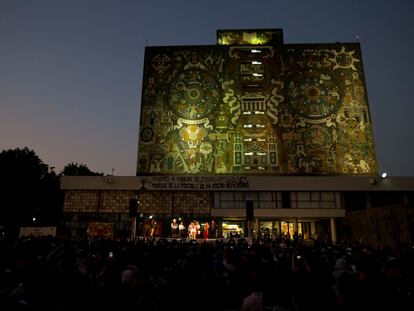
x=222, y=240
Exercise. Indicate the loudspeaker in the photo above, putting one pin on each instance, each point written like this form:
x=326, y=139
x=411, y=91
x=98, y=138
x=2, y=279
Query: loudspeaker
x=132, y=208
x=249, y=210
x=285, y=199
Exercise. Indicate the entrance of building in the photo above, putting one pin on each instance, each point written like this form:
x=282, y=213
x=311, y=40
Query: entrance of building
x=275, y=228
x=233, y=228
x=287, y=228
x=304, y=229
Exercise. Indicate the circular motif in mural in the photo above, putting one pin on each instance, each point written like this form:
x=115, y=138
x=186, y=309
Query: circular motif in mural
x=147, y=134
x=314, y=97
x=344, y=59
x=317, y=136
x=194, y=94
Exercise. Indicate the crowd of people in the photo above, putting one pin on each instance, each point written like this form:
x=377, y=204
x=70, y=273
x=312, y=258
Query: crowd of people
x=160, y=274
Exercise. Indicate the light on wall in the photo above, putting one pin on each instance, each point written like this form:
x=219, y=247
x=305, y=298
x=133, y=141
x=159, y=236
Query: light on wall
x=375, y=180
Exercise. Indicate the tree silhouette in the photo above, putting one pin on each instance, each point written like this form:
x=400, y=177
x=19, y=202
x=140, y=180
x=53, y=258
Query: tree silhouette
x=76, y=169
x=29, y=190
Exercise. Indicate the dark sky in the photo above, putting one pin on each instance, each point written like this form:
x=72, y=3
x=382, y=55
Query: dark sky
x=71, y=71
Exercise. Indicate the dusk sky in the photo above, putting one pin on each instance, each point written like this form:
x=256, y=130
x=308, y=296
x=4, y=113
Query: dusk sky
x=71, y=70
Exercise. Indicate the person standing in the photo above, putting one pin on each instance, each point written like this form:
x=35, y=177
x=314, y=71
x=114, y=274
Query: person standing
x=213, y=229
x=192, y=231
x=198, y=229
x=153, y=226
x=181, y=229
x=174, y=228
x=205, y=230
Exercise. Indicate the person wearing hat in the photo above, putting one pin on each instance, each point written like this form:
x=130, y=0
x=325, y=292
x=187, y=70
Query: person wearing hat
x=174, y=228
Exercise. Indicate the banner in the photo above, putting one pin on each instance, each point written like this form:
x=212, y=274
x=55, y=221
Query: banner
x=100, y=230
x=199, y=183
x=37, y=231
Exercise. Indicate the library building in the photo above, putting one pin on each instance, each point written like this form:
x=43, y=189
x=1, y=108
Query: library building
x=249, y=137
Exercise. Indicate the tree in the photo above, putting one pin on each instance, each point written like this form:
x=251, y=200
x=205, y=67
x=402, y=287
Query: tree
x=29, y=190
x=76, y=169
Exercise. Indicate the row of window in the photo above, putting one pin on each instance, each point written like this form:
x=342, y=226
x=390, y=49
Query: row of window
x=275, y=199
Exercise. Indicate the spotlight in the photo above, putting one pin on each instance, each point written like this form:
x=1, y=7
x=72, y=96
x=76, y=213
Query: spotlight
x=384, y=175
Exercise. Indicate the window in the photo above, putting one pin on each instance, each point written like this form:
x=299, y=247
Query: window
x=237, y=199
x=314, y=199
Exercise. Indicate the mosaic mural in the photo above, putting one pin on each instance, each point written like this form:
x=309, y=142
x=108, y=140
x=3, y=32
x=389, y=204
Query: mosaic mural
x=255, y=109
x=250, y=37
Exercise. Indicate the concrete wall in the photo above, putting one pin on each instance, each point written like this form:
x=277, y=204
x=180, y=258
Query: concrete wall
x=391, y=225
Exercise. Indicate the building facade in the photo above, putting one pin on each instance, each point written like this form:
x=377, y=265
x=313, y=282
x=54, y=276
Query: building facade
x=251, y=133
x=330, y=207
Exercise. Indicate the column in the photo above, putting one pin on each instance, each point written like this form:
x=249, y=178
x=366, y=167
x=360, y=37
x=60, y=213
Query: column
x=219, y=223
x=134, y=228
x=295, y=225
x=313, y=229
x=333, y=230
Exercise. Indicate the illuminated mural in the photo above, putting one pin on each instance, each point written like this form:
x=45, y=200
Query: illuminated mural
x=250, y=37
x=255, y=109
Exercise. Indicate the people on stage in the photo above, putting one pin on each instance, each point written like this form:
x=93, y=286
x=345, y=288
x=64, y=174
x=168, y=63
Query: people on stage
x=192, y=231
x=174, y=228
x=205, y=230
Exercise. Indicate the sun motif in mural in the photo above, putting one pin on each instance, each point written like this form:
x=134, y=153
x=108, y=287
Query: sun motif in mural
x=312, y=91
x=343, y=59
x=314, y=97
x=194, y=94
